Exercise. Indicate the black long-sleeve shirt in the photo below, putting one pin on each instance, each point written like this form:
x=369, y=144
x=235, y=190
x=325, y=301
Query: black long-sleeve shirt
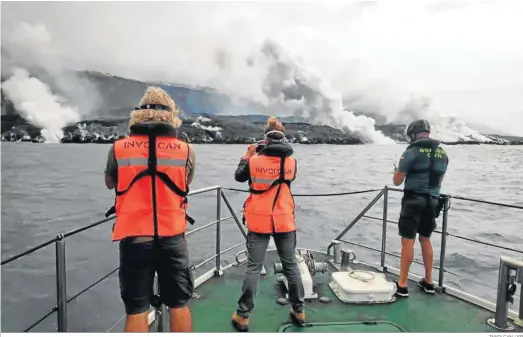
x=242, y=171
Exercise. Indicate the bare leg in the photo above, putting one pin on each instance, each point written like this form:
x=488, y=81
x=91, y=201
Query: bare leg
x=181, y=319
x=407, y=256
x=428, y=256
x=137, y=323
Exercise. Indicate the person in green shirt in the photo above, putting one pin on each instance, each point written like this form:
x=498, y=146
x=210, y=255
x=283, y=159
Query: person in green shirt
x=422, y=167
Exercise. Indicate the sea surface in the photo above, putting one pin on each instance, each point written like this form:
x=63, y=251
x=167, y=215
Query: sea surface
x=53, y=188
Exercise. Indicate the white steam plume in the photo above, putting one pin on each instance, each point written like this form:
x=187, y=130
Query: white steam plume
x=35, y=70
x=287, y=79
x=444, y=126
x=374, y=52
x=38, y=105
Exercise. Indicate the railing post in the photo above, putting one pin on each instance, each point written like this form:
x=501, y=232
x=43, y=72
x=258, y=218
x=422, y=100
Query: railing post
x=231, y=210
x=336, y=245
x=519, y=320
x=218, y=270
x=61, y=283
x=159, y=308
x=443, y=244
x=506, y=290
x=384, y=229
x=356, y=219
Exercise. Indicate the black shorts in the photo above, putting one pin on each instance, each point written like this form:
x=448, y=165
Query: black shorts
x=169, y=257
x=418, y=215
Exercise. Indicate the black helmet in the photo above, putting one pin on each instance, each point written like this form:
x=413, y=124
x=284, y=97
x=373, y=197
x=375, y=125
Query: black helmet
x=416, y=127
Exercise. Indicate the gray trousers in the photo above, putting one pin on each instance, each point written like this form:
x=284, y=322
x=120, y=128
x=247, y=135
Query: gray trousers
x=256, y=247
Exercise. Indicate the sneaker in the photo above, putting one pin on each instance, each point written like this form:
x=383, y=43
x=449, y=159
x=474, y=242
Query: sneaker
x=240, y=323
x=297, y=318
x=401, y=291
x=427, y=287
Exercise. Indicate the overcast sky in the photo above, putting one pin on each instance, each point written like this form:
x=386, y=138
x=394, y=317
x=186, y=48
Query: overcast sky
x=466, y=56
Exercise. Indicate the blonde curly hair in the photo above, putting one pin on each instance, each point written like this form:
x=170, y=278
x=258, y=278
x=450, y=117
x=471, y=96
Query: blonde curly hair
x=155, y=95
x=273, y=124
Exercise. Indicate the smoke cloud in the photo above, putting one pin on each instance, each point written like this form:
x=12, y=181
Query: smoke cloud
x=315, y=99
x=39, y=106
x=28, y=53
x=402, y=60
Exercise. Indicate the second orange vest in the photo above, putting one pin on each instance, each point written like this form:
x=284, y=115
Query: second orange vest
x=270, y=205
x=144, y=210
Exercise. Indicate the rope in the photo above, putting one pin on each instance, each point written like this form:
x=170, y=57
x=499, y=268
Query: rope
x=352, y=273
x=421, y=263
x=392, y=254
x=81, y=229
x=92, y=285
x=29, y=251
x=473, y=280
x=75, y=231
x=42, y=319
x=486, y=243
x=312, y=195
x=456, y=236
x=115, y=324
x=53, y=240
x=309, y=261
x=485, y=202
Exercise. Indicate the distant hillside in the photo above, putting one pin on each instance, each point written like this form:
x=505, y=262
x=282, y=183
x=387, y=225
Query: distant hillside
x=239, y=121
x=120, y=95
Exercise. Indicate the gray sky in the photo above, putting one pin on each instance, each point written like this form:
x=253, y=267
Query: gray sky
x=464, y=55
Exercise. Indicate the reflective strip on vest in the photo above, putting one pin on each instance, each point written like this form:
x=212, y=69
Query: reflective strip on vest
x=135, y=208
x=271, y=211
x=144, y=161
x=262, y=180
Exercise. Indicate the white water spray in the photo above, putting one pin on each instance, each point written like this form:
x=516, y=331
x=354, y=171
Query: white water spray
x=444, y=127
x=288, y=79
x=38, y=105
x=28, y=52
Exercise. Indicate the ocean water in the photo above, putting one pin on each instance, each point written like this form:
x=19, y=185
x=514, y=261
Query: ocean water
x=52, y=188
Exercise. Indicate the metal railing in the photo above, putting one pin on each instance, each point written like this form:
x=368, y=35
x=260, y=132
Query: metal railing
x=59, y=241
x=61, y=273
x=446, y=198
x=384, y=192
x=443, y=233
x=502, y=277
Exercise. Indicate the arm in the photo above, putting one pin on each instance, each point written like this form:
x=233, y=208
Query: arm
x=242, y=173
x=295, y=169
x=406, y=161
x=111, y=170
x=398, y=178
x=191, y=165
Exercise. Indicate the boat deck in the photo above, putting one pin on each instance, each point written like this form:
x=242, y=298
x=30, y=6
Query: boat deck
x=421, y=312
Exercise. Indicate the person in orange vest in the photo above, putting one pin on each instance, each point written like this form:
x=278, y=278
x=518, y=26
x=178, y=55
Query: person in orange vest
x=151, y=170
x=269, y=210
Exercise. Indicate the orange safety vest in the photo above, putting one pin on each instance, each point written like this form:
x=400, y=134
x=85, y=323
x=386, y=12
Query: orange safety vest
x=144, y=208
x=270, y=205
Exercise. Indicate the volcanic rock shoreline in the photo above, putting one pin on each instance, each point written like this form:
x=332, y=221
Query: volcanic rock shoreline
x=205, y=129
